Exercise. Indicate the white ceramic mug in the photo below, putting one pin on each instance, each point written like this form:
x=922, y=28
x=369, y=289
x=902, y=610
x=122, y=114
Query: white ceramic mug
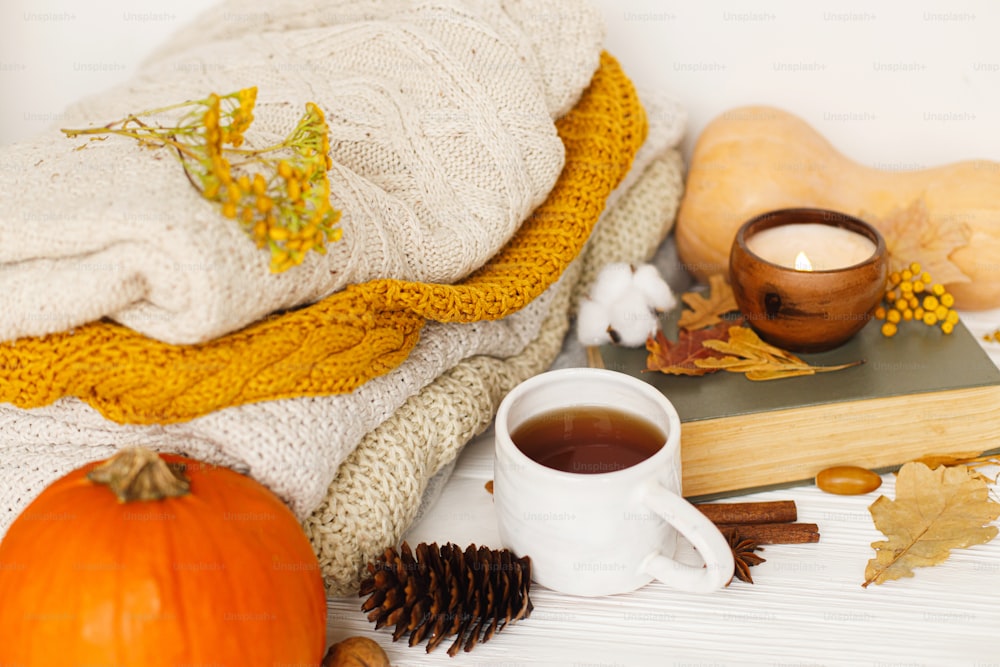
x=601, y=533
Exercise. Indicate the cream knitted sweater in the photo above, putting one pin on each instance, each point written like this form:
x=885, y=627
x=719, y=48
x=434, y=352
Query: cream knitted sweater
x=296, y=446
x=441, y=117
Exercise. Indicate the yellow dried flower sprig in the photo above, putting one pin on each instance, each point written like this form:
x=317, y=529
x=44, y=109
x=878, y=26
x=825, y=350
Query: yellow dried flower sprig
x=280, y=195
x=911, y=295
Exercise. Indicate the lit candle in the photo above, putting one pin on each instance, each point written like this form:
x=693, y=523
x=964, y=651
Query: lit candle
x=793, y=306
x=811, y=246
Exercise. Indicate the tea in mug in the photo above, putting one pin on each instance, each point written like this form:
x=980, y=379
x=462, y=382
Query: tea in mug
x=588, y=439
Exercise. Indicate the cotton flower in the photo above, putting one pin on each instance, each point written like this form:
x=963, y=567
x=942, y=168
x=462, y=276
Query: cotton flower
x=649, y=281
x=632, y=321
x=612, y=282
x=622, y=305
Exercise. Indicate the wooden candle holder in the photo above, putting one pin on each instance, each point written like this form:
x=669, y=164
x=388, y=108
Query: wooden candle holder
x=806, y=311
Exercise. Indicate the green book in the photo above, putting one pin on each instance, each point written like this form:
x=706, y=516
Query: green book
x=918, y=393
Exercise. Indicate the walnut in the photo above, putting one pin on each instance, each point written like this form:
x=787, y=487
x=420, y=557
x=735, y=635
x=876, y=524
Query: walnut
x=356, y=652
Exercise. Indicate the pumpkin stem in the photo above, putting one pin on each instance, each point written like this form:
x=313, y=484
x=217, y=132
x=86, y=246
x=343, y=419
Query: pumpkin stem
x=137, y=473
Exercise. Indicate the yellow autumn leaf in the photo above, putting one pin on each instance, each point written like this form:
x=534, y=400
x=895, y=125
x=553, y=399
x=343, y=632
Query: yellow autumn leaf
x=707, y=312
x=746, y=353
x=934, y=512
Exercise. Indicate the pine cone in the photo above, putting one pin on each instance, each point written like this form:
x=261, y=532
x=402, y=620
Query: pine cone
x=445, y=591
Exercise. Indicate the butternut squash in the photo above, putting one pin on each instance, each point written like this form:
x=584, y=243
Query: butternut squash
x=751, y=160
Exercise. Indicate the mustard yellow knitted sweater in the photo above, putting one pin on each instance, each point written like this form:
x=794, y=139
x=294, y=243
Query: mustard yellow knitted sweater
x=344, y=340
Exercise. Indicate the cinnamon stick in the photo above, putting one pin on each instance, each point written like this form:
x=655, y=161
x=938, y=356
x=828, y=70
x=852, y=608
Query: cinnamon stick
x=774, y=511
x=594, y=357
x=774, y=533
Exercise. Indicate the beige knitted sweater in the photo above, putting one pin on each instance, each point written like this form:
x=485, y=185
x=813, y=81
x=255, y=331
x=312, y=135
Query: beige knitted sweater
x=294, y=446
x=378, y=489
x=442, y=137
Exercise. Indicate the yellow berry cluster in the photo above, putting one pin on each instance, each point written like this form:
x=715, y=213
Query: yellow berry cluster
x=280, y=195
x=992, y=337
x=911, y=295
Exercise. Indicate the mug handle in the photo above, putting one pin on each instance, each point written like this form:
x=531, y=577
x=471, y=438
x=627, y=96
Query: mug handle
x=701, y=533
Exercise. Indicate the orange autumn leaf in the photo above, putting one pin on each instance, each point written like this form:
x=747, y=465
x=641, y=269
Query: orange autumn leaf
x=678, y=358
x=707, y=312
x=934, y=512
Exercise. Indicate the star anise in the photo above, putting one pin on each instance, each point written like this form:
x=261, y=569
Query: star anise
x=743, y=555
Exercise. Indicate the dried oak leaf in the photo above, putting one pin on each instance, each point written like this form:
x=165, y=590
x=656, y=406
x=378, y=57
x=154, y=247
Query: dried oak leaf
x=744, y=352
x=679, y=358
x=707, y=312
x=971, y=460
x=934, y=460
x=934, y=512
x=911, y=235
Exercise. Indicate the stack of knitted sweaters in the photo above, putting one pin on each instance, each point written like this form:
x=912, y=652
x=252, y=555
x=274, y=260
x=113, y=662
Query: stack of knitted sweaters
x=488, y=158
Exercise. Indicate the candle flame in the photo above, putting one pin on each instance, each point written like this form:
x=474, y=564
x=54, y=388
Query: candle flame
x=802, y=262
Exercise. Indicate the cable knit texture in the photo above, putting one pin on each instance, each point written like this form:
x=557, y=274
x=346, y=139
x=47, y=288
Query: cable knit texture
x=378, y=489
x=442, y=139
x=295, y=445
x=352, y=336
x=555, y=39
x=354, y=466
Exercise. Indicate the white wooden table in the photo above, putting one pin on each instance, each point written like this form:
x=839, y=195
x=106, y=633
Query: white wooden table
x=806, y=606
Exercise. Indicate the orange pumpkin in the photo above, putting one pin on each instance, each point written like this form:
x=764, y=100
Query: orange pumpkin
x=209, y=570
